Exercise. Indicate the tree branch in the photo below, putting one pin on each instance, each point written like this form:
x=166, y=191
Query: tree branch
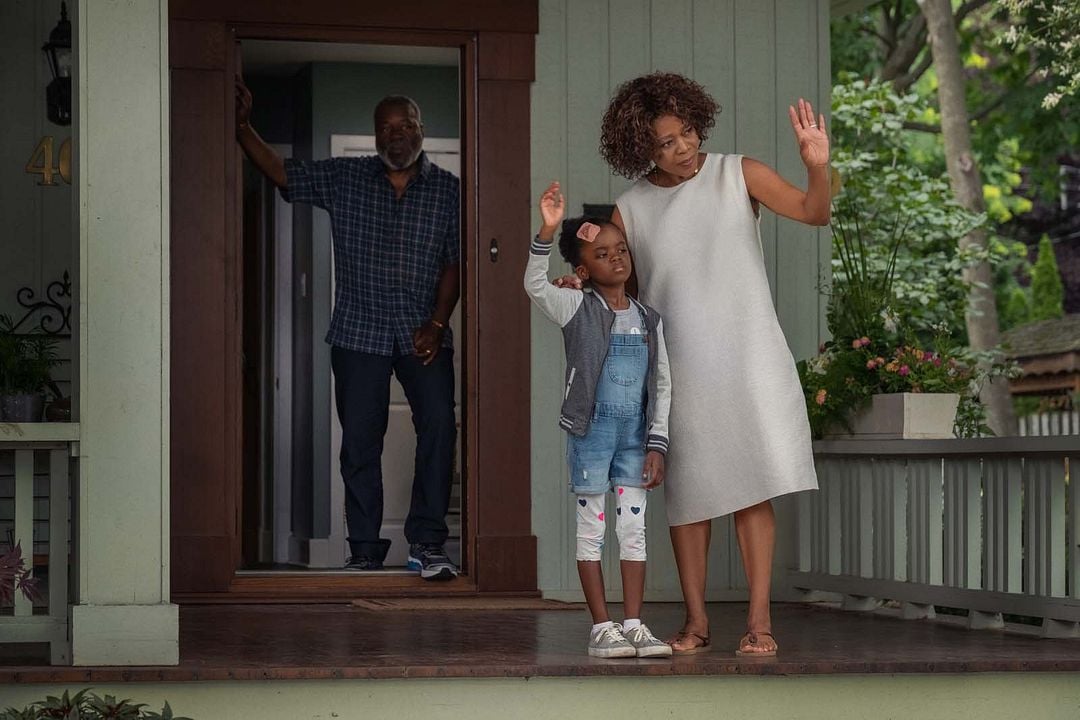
x=907, y=49
x=921, y=127
x=902, y=83
x=1002, y=97
x=967, y=8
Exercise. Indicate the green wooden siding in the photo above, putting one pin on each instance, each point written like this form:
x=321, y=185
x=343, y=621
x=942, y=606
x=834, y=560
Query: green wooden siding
x=756, y=57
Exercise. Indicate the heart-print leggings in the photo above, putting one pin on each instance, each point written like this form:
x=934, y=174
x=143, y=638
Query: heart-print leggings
x=629, y=523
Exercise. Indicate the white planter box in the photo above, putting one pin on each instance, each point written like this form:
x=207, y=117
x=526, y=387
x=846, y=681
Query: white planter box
x=904, y=416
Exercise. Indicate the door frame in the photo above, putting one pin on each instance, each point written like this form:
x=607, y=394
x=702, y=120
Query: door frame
x=499, y=549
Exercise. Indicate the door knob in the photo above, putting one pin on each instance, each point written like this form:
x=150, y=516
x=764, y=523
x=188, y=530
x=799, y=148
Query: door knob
x=493, y=250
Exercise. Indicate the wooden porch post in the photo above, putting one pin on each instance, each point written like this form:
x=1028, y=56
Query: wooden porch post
x=123, y=615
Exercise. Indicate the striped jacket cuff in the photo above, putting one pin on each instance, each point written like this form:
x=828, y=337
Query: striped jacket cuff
x=540, y=248
x=659, y=443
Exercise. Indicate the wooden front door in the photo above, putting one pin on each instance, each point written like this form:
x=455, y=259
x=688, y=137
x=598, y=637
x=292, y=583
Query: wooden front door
x=496, y=39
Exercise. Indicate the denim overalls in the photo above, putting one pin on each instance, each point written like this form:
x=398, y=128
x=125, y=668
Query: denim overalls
x=612, y=452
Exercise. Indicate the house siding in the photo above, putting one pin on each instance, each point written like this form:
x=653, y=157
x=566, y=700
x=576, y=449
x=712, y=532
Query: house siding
x=755, y=58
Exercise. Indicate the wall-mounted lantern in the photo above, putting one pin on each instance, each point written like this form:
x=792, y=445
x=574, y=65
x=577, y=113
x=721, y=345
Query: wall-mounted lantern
x=58, y=53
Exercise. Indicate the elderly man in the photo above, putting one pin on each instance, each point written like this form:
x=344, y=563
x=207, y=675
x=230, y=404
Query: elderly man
x=396, y=266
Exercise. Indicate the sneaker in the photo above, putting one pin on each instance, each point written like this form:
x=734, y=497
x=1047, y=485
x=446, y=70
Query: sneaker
x=610, y=643
x=431, y=561
x=646, y=643
x=363, y=563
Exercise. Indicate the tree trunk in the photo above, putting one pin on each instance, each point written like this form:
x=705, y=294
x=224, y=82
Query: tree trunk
x=982, y=316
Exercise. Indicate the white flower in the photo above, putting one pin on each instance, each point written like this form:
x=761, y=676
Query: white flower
x=890, y=320
x=1051, y=100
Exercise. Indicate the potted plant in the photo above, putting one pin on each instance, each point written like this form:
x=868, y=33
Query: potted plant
x=25, y=362
x=880, y=377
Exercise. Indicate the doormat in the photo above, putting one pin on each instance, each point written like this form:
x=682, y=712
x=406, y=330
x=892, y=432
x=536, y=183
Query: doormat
x=464, y=603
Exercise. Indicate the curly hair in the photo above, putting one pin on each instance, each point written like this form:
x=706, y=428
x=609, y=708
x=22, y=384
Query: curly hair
x=627, y=141
x=570, y=243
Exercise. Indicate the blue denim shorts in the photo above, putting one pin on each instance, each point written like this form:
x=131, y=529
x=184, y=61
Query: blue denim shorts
x=612, y=453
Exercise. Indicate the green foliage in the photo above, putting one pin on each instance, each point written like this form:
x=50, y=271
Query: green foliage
x=1013, y=300
x=1047, y=291
x=16, y=576
x=1016, y=310
x=897, y=299
x=25, y=360
x=900, y=215
x=1006, y=82
x=85, y=705
x=1048, y=27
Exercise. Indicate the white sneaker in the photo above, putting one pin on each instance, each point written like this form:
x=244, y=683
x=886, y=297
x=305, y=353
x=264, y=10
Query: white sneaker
x=646, y=644
x=610, y=643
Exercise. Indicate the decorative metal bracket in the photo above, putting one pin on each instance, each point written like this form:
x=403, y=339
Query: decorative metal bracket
x=52, y=313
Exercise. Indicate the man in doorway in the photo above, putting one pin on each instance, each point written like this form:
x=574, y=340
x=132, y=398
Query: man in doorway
x=395, y=227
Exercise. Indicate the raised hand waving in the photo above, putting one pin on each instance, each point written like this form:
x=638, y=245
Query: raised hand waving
x=810, y=133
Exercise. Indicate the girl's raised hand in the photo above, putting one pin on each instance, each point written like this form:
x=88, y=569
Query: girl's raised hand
x=813, y=140
x=552, y=206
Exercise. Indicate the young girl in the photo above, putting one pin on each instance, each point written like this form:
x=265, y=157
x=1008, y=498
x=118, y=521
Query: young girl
x=615, y=410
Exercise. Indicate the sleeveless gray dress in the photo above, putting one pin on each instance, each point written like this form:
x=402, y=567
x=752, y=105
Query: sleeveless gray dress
x=738, y=427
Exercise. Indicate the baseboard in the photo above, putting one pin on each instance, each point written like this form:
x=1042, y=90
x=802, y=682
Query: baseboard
x=125, y=634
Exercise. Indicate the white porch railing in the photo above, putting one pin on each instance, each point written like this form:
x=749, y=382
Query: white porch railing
x=1051, y=422
x=988, y=525
x=25, y=449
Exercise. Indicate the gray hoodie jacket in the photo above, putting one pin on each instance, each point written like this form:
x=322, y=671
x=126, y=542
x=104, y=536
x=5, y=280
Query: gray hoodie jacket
x=586, y=323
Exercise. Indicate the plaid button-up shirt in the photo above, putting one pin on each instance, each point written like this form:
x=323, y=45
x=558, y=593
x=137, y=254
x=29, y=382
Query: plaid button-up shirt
x=389, y=252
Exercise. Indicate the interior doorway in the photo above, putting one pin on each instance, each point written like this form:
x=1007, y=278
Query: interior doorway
x=314, y=100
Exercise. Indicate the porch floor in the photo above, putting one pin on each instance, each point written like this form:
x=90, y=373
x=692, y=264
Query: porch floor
x=259, y=642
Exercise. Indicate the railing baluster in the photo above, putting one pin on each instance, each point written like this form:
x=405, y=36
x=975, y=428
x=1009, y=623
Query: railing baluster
x=864, y=474
x=924, y=520
x=963, y=523
x=890, y=523
x=1044, y=505
x=1073, y=469
x=59, y=512
x=1001, y=510
x=24, y=519
x=820, y=520
x=833, y=508
x=805, y=503
x=858, y=530
x=849, y=519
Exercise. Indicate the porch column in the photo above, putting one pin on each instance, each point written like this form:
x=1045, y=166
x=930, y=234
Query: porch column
x=123, y=615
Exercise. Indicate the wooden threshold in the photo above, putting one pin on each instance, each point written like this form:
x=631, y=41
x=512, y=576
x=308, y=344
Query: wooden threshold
x=313, y=587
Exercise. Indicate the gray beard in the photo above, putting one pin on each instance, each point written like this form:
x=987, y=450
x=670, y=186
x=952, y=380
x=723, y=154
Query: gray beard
x=398, y=166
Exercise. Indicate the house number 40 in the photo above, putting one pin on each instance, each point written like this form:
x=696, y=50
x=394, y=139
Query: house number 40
x=41, y=162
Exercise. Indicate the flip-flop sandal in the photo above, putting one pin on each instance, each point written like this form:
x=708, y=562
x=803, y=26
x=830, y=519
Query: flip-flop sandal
x=703, y=647
x=751, y=638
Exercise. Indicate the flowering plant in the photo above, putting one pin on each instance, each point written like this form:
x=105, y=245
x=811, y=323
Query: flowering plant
x=847, y=372
x=873, y=351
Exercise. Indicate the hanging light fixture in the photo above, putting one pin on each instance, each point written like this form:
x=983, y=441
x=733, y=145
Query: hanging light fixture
x=58, y=53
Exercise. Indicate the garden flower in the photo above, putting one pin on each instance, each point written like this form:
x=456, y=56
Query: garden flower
x=904, y=370
x=820, y=397
x=871, y=364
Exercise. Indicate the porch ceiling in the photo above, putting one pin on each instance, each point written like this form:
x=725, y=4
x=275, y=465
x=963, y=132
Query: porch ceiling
x=278, y=642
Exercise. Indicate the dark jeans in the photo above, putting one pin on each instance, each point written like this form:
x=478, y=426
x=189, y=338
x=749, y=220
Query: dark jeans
x=362, y=389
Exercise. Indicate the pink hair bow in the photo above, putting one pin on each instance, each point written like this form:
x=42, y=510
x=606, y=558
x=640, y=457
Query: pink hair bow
x=588, y=231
